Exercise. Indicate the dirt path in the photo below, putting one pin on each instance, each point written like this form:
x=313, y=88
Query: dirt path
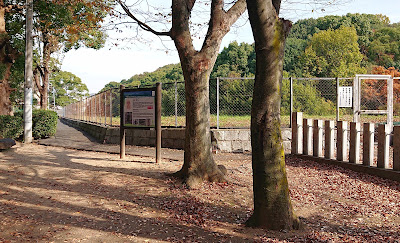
x=50, y=194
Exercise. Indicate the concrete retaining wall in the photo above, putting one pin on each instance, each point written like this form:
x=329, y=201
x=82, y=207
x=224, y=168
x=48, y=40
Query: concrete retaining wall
x=224, y=140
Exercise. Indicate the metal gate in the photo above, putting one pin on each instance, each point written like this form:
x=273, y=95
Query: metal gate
x=373, y=94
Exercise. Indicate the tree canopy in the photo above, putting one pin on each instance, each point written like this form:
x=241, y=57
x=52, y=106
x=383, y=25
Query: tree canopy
x=68, y=88
x=332, y=53
x=58, y=24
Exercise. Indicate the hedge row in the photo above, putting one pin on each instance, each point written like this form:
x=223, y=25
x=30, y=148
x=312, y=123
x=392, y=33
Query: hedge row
x=44, y=125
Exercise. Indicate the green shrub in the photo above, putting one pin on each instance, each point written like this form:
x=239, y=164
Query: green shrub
x=306, y=98
x=44, y=123
x=11, y=126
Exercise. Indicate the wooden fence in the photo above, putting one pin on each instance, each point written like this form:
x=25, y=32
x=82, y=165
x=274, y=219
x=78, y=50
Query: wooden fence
x=341, y=144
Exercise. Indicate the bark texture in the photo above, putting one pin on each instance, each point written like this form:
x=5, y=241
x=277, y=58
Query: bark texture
x=42, y=70
x=272, y=205
x=199, y=164
x=7, y=57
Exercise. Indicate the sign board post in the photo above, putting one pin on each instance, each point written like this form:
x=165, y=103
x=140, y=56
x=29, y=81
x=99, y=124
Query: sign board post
x=158, y=122
x=121, y=126
x=140, y=109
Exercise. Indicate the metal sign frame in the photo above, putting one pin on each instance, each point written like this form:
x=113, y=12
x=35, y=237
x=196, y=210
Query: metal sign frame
x=138, y=97
x=157, y=123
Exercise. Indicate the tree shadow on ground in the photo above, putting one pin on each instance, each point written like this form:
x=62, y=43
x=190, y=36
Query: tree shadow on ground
x=37, y=198
x=59, y=192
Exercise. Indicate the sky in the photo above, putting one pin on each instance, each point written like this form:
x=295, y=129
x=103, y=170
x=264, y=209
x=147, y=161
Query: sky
x=96, y=68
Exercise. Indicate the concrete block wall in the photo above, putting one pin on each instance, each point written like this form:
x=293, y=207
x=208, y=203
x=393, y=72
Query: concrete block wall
x=224, y=140
x=231, y=140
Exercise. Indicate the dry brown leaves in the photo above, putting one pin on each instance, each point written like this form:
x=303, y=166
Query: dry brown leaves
x=52, y=194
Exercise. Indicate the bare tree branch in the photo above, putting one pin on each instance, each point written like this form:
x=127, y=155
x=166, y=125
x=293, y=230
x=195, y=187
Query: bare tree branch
x=221, y=20
x=141, y=24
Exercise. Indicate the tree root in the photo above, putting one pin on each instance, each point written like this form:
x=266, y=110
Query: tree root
x=254, y=222
x=193, y=180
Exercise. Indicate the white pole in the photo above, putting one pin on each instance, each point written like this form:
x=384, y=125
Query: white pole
x=28, y=73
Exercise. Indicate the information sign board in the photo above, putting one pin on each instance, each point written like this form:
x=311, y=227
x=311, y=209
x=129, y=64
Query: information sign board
x=345, y=96
x=139, y=108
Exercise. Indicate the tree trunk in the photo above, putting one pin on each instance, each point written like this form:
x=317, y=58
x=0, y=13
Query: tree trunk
x=44, y=92
x=7, y=57
x=272, y=205
x=199, y=164
x=49, y=46
x=5, y=90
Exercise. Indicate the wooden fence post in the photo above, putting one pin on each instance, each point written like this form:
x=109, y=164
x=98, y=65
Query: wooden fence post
x=317, y=138
x=341, y=142
x=383, y=146
x=307, y=136
x=368, y=144
x=354, y=156
x=329, y=139
x=297, y=136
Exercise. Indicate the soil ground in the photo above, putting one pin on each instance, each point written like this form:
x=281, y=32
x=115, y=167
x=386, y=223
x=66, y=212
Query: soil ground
x=53, y=194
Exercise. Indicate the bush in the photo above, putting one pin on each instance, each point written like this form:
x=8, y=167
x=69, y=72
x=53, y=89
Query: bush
x=44, y=123
x=11, y=126
x=306, y=99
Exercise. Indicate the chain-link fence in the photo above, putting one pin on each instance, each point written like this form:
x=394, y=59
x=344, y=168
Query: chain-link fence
x=316, y=97
x=231, y=99
x=102, y=108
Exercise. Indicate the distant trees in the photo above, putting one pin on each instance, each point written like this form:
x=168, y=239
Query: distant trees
x=68, y=88
x=376, y=39
x=332, y=53
x=384, y=49
x=236, y=60
x=331, y=46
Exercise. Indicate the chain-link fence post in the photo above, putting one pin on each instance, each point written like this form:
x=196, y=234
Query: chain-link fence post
x=337, y=99
x=111, y=107
x=176, y=103
x=291, y=101
x=390, y=104
x=217, y=103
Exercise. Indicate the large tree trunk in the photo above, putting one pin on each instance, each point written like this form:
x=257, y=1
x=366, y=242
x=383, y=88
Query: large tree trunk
x=5, y=90
x=272, y=205
x=7, y=57
x=199, y=164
